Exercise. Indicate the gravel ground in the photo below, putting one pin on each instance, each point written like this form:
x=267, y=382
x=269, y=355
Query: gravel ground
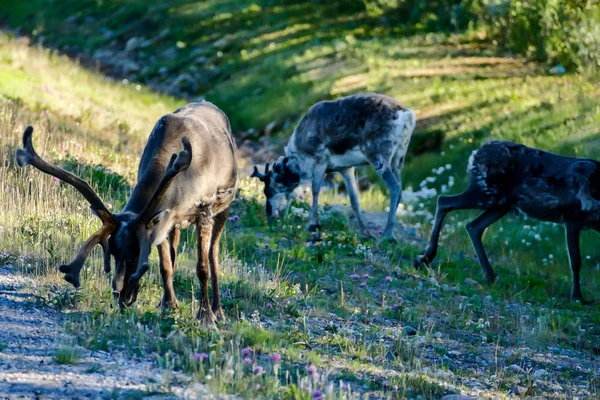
x=29, y=336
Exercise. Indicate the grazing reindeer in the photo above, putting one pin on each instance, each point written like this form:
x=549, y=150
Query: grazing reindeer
x=545, y=186
x=173, y=192
x=336, y=136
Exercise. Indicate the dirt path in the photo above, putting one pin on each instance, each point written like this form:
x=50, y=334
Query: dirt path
x=29, y=337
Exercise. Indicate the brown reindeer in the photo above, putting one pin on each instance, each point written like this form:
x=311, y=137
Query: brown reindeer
x=508, y=176
x=173, y=192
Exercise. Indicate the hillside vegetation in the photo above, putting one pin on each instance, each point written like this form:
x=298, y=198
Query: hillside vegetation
x=349, y=318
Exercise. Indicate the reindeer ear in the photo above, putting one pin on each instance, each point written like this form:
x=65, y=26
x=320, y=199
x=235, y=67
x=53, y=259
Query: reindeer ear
x=262, y=177
x=157, y=217
x=255, y=173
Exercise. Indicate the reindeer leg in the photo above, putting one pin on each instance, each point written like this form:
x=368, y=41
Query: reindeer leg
x=352, y=189
x=220, y=220
x=204, y=227
x=317, y=181
x=572, y=232
x=476, y=228
x=174, y=239
x=166, y=272
x=395, y=187
x=445, y=204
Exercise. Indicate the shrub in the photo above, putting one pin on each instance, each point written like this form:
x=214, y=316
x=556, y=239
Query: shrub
x=558, y=31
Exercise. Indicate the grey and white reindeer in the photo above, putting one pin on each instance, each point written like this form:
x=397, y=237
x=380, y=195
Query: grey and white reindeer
x=174, y=191
x=508, y=176
x=336, y=136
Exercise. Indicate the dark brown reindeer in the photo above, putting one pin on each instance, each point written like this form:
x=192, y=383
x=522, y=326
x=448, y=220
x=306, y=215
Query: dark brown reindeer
x=545, y=186
x=174, y=191
x=336, y=136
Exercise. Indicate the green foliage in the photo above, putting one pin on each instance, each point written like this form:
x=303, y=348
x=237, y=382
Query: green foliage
x=561, y=31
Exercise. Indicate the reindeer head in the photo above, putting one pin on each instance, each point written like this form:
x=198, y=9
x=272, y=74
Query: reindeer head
x=280, y=183
x=123, y=235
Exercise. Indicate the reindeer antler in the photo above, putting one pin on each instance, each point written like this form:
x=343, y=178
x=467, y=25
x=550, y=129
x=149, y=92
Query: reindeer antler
x=28, y=156
x=262, y=177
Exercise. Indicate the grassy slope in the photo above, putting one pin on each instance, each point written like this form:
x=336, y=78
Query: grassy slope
x=459, y=88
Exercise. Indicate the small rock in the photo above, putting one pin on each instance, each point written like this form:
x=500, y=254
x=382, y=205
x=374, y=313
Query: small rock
x=409, y=330
x=473, y=283
x=515, y=369
x=443, y=375
x=518, y=390
x=555, y=387
x=132, y=44
x=457, y=397
x=539, y=374
x=421, y=340
x=437, y=335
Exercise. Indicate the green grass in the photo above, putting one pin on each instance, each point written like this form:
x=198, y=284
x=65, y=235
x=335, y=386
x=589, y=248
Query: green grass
x=290, y=297
x=67, y=356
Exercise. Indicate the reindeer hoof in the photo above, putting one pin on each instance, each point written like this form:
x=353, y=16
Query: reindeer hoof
x=491, y=278
x=168, y=305
x=580, y=299
x=419, y=261
x=314, y=227
x=219, y=314
x=65, y=269
x=206, y=318
x=387, y=239
x=73, y=280
x=366, y=234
